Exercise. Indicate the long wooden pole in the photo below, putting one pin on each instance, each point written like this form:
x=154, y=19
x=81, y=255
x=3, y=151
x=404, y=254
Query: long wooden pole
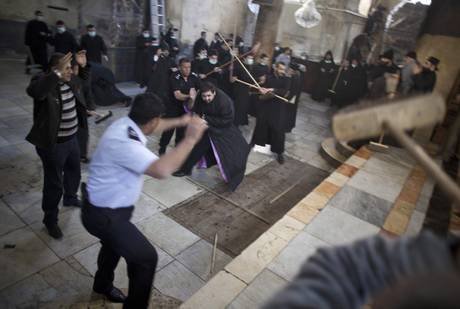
x=255, y=87
x=230, y=62
x=241, y=63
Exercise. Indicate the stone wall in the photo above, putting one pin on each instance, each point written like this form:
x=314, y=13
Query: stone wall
x=335, y=32
x=194, y=16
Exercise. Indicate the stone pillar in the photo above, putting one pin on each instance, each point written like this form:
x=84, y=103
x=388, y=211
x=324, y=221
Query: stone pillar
x=267, y=26
x=440, y=37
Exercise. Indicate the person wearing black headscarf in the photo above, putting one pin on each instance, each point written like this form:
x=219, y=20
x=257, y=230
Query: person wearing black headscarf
x=328, y=71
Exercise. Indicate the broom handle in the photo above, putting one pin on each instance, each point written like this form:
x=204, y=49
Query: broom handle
x=238, y=59
x=255, y=87
x=445, y=182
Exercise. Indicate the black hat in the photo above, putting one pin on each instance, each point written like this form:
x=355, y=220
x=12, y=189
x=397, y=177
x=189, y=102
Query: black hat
x=388, y=54
x=433, y=60
x=37, y=12
x=412, y=55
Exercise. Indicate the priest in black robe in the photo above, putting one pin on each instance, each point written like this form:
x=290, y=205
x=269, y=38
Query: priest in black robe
x=200, y=44
x=294, y=96
x=241, y=91
x=143, y=59
x=208, y=69
x=159, y=76
x=36, y=38
x=328, y=72
x=224, y=57
x=222, y=144
x=260, y=71
x=271, y=118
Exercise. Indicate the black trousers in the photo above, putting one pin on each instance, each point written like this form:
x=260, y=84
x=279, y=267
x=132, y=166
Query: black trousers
x=265, y=133
x=40, y=56
x=120, y=238
x=83, y=140
x=202, y=148
x=61, y=172
x=167, y=135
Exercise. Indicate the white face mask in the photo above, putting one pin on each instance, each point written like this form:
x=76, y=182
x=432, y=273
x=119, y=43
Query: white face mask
x=213, y=61
x=202, y=56
x=241, y=44
x=146, y=35
x=303, y=58
x=92, y=33
x=155, y=58
x=353, y=65
x=39, y=17
x=263, y=62
x=277, y=48
x=249, y=61
x=61, y=29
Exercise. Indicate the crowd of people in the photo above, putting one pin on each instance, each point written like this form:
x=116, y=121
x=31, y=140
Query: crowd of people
x=202, y=101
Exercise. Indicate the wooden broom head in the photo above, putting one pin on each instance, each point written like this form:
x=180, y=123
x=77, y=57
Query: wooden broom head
x=365, y=120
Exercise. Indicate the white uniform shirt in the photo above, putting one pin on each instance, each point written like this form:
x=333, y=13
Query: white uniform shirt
x=118, y=164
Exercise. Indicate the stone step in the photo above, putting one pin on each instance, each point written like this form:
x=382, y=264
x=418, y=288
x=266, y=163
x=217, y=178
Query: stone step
x=330, y=153
x=345, y=149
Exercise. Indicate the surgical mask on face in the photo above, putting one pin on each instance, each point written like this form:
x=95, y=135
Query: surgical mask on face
x=241, y=44
x=92, y=33
x=354, y=65
x=202, y=56
x=213, y=61
x=263, y=62
x=39, y=17
x=249, y=61
x=155, y=58
x=277, y=48
x=146, y=35
x=303, y=58
x=61, y=29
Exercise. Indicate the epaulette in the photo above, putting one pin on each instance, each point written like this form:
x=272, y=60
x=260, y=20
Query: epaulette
x=133, y=135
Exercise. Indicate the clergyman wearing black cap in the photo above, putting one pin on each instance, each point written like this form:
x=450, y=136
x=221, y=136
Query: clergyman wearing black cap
x=36, y=38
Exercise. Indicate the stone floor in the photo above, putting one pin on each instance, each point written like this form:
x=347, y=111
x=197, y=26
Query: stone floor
x=40, y=272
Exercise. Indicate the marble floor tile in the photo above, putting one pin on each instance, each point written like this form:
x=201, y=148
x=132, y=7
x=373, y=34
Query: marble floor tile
x=336, y=227
x=319, y=162
x=170, y=191
x=177, y=281
x=59, y=283
x=423, y=203
x=197, y=258
x=261, y=290
x=75, y=236
x=29, y=256
x=9, y=221
x=167, y=234
x=415, y=223
x=145, y=208
x=88, y=259
x=208, y=177
x=381, y=186
x=362, y=205
x=20, y=201
x=398, y=173
x=287, y=264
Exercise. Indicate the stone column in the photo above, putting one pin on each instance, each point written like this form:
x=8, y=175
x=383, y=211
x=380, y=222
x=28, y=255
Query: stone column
x=267, y=26
x=440, y=37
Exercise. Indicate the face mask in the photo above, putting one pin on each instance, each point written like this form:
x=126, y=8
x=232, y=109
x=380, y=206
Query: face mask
x=241, y=44
x=353, y=65
x=92, y=33
x=303, y=58
x=213, y=61
x=155, y=58
x=277, y=48
x=263, y=62
x=39, y=17
x=61, y=29
x=249, y=61
x=327, y=61
x=202, y=56
x=146, y=34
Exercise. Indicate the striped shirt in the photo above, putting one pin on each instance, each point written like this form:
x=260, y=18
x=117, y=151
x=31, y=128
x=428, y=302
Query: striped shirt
x=69, y=121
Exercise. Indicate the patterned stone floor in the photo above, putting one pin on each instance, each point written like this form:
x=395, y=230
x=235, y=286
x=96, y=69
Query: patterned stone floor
x=40, y=272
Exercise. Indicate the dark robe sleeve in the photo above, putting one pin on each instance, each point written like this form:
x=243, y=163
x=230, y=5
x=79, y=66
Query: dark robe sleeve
x=103, y=47
x=41, y=85
x=224, y=113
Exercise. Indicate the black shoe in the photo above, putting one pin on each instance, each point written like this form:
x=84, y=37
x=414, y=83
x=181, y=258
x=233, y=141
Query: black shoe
x=84, y=160
x=73, y=203
x=162, y=151
x=180, y=174
x=280, y=159
x=54, y=231
x=115, y=295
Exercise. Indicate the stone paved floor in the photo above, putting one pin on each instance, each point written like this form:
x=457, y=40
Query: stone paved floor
x=46, y=273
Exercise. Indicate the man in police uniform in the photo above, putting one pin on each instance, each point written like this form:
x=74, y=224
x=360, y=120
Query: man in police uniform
x=115, y=184
x=183, y=86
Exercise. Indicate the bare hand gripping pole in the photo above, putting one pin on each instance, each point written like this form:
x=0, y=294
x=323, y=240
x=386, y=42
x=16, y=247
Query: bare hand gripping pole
x=365, y=121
